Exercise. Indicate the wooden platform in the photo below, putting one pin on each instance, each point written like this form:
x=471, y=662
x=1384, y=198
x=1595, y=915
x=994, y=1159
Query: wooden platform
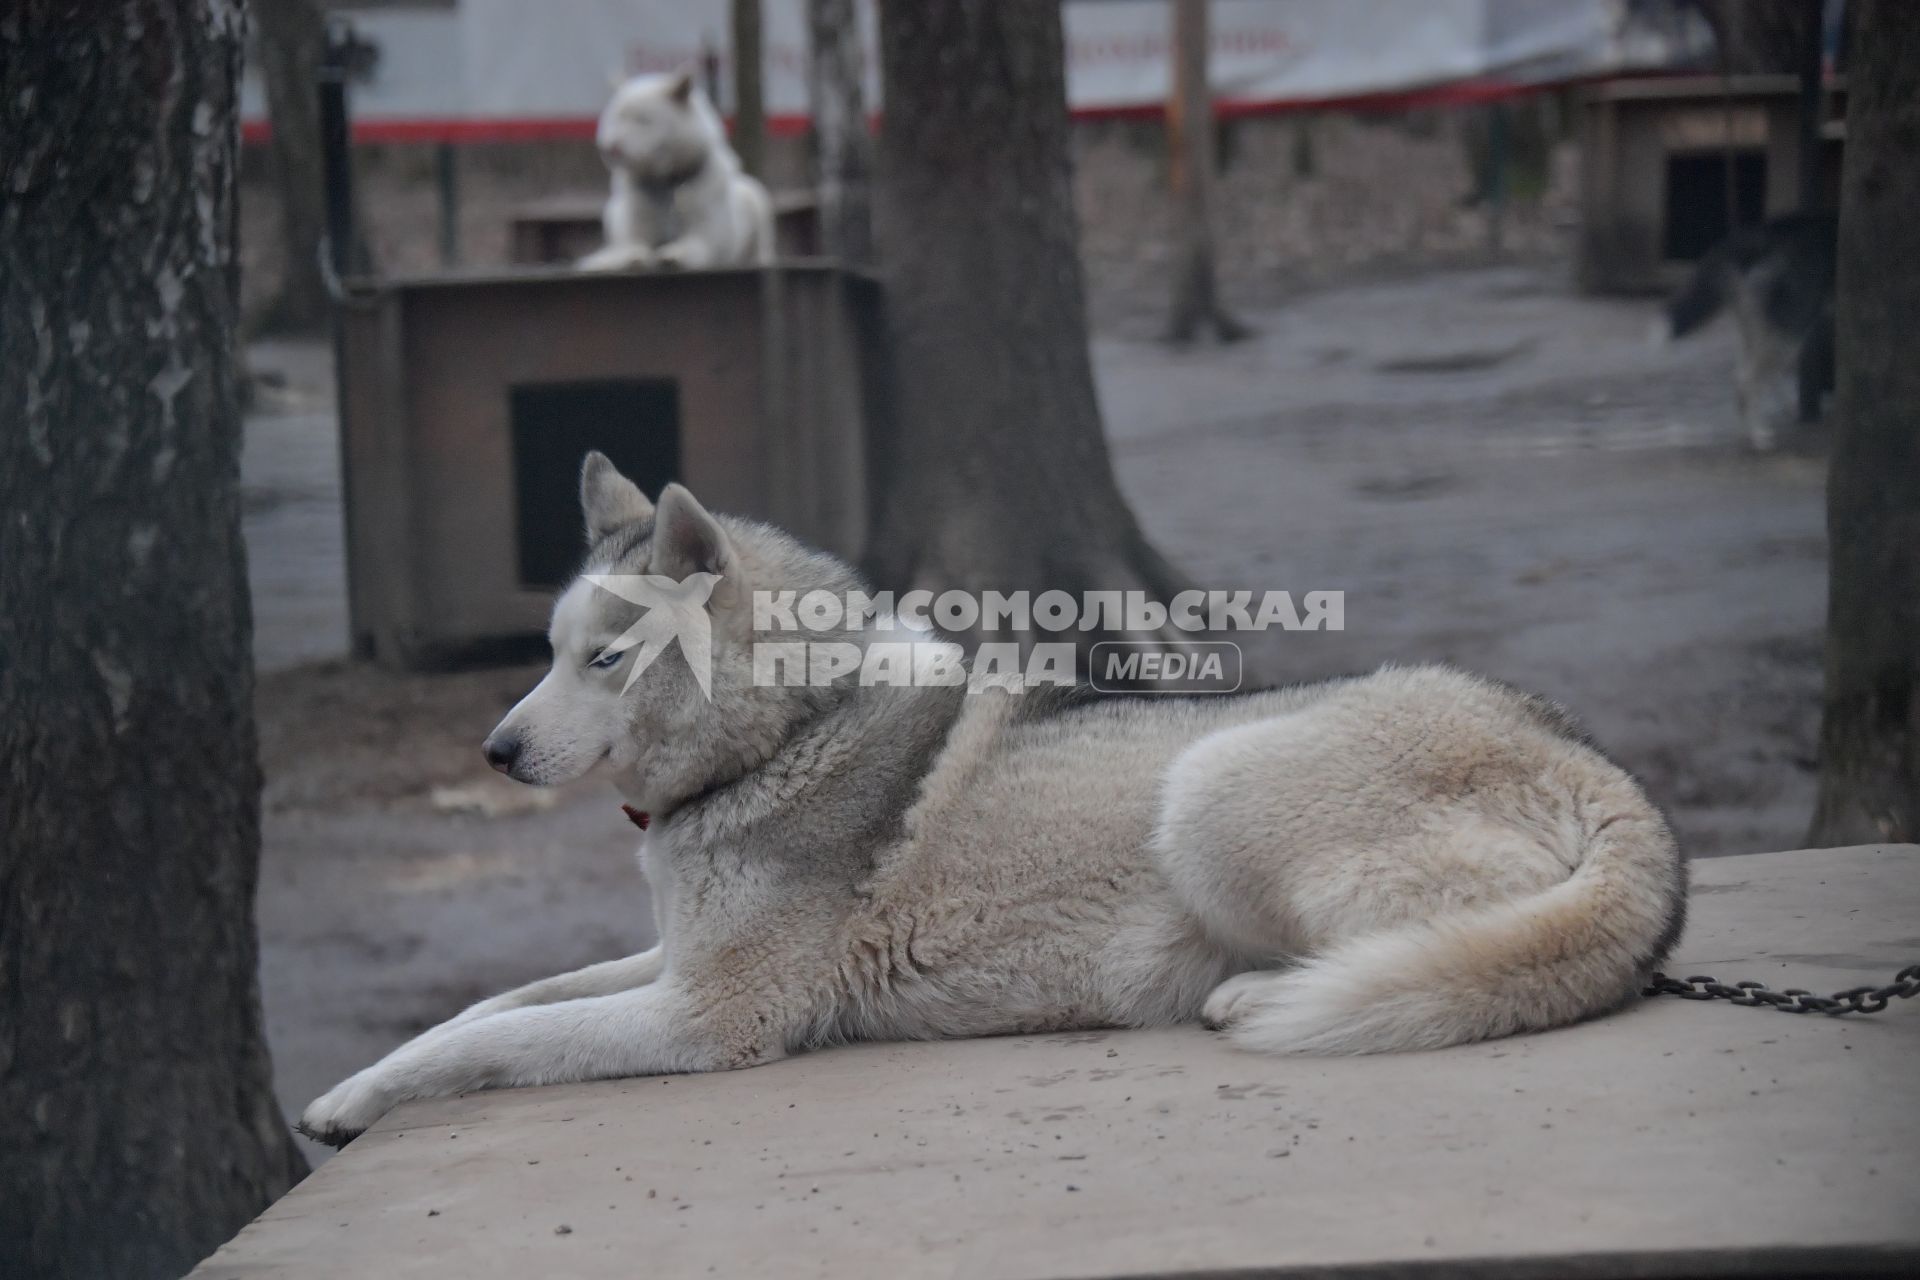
x=1674, y=1139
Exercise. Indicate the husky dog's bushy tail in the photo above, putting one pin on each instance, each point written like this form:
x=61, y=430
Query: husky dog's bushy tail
x=1778, y=279
x=1577, y=949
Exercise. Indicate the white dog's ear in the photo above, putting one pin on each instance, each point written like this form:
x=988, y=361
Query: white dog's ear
x=607, y=498
x=680, y=88
x=687, y=540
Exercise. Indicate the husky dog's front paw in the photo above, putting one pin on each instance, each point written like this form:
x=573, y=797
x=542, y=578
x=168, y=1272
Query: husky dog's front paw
x=1233, y=999
x=684, y=255
x=617, y=257
x=347, y=1110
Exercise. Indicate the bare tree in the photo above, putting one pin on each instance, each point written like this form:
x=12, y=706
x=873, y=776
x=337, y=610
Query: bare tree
x=1760, y=36
x=843, y=148
x=1190, y=149
x=1870, y=733
x=138, y=1128
x=291, y=39
x=749, y=100
x=996, y=474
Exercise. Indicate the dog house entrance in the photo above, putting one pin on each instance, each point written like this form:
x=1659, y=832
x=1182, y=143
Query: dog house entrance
x=635, y=422
x=1697, y=199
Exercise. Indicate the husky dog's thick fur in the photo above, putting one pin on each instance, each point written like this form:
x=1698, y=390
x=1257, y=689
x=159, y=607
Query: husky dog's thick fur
x=1403, y=860
x=679, y=197
x=1778, y=279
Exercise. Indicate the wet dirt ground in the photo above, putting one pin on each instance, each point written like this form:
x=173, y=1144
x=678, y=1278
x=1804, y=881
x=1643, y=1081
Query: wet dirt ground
x=1496, y=471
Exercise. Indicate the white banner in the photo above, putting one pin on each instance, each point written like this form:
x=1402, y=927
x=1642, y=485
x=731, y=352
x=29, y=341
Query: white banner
x=501, y=68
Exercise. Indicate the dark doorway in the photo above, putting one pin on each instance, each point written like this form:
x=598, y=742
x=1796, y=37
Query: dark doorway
x=635, y=422
x=1697, y=199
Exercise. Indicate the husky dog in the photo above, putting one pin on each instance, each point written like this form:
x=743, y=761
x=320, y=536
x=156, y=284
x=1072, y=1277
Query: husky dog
x=1778, y=277
x=679, y=198
x=1405, y=860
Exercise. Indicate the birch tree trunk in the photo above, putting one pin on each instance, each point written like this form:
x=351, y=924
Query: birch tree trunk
x=138, y=1127
x=843, y=148
x=292, y=40
x=1190, y=148
x=749, y=98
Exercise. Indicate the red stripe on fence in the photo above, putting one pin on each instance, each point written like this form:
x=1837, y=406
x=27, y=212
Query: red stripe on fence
x=472, y=129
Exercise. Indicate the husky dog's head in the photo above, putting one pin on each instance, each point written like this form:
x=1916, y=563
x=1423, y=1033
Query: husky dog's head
x=660, y=129
x=661, y=584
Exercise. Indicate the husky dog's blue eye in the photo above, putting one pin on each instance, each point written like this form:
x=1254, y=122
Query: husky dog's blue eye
x=607, y=658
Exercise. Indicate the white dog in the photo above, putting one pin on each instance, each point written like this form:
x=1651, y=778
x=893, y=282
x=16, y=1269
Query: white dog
x=1404, y=860
x=679, y=197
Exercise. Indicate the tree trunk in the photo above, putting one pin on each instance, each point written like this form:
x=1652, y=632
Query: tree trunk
x=1870, y=734
x=749, y=100
x=996, y=474
x=138, y=1128
x=843, y=149
x=1190, y=151
x=292, y=40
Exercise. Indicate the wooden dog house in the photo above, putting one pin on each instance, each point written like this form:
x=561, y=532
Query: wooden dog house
x=467, y=402
x=1655, y=155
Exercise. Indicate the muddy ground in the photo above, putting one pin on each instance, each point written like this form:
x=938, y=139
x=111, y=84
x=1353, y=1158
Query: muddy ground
x=1496, y=471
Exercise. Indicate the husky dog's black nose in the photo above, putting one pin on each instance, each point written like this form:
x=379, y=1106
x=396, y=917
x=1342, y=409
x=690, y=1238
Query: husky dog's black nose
x=501, y=752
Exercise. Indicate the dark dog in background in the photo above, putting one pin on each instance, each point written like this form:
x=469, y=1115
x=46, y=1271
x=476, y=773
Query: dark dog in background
x=1777, y=278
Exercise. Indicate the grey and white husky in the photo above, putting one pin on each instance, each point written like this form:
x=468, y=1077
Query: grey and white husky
x=1405, y=860
x=1778, y=279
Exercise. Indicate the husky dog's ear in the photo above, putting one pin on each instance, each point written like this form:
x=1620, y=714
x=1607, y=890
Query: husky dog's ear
x=687, y=540
x=680, y=88
x=607, y=498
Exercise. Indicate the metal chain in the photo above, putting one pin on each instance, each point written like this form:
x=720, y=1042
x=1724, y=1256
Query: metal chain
x=1905, y=984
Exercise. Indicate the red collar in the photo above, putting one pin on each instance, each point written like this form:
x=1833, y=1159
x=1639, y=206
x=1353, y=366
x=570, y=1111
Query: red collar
x=638, y=817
